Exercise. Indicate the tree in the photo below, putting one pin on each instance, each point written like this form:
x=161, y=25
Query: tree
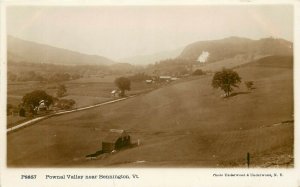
x=32, y=99
x=61, y=90
x=226, y=79
x=123, y=84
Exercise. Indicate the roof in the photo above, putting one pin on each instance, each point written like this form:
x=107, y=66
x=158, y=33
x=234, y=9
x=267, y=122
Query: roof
x=113, y=135
x=117, y=131
x=115, y=91
x=165, y=77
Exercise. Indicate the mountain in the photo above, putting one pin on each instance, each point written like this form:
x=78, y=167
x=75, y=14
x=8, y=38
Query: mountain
x=232, y=46
x=22, y=50
x=152, y=58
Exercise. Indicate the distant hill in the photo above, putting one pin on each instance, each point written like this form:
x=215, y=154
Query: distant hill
x=274, y=61
x=21, y=50
x=232, y=46
x=152, y=58
x=121, y=67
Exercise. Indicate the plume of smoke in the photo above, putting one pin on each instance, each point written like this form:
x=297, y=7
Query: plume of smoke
x=203, y=57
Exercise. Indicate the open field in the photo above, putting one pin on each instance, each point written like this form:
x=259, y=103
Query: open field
x=233, y=62
x=187, y=124
x=85, y=91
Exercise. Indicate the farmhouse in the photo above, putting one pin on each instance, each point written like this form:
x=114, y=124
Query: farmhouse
x=115, y=140
x=42, y=105
x=115, y=93
x=149, y=81
x=174, y=79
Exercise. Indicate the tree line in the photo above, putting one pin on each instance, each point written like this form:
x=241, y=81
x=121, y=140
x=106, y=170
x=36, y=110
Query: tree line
x=34, y=76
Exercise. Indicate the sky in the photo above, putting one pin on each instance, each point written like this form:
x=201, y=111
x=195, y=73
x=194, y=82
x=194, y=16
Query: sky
x=124, y=31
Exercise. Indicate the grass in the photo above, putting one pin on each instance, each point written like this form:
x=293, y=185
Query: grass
x=85, y=91
x=187, y=124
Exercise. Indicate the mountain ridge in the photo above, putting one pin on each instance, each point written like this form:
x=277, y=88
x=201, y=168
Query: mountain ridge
x=19, y=50
x=232, y=46
x=24, y=50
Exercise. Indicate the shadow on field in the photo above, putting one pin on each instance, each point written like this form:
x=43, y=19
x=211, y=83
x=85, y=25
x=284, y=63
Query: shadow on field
x=101, y=152
x=237, y=93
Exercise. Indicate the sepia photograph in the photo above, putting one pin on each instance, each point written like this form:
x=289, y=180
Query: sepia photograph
x=185, y=86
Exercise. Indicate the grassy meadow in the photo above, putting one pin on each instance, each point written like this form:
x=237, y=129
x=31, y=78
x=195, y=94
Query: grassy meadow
x=185, y=124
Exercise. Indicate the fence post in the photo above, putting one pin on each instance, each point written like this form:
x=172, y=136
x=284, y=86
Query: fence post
x=248, y=159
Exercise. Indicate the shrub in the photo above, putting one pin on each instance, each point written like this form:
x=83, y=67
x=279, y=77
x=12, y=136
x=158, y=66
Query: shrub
x=61, y=90
x=65, y=104
x=249, y=85
x=198, y=72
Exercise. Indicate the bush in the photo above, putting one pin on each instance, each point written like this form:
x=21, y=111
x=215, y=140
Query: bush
x=198, y=72
x=61, y=90
x=65, y=104
x=249, y=85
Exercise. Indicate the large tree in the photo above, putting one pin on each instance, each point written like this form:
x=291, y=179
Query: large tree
x=32, y=99
x=226, y=80
x=123, y=84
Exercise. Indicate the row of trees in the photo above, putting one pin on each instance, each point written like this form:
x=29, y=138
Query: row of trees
x=33, y=76
x=139, y=77
x=45, y=70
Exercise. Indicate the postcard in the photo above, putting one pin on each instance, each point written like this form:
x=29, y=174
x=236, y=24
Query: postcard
x=149, y=94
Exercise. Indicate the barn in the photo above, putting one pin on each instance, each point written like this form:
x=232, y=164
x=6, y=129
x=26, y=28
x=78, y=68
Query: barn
x=115, y=140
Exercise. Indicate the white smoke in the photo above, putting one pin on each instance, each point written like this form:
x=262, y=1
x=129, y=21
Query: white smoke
x=203, y=57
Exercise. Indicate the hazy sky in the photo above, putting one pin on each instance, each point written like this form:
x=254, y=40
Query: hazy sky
x=119, y=31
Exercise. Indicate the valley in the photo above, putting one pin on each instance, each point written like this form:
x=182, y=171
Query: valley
x=187, y=124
